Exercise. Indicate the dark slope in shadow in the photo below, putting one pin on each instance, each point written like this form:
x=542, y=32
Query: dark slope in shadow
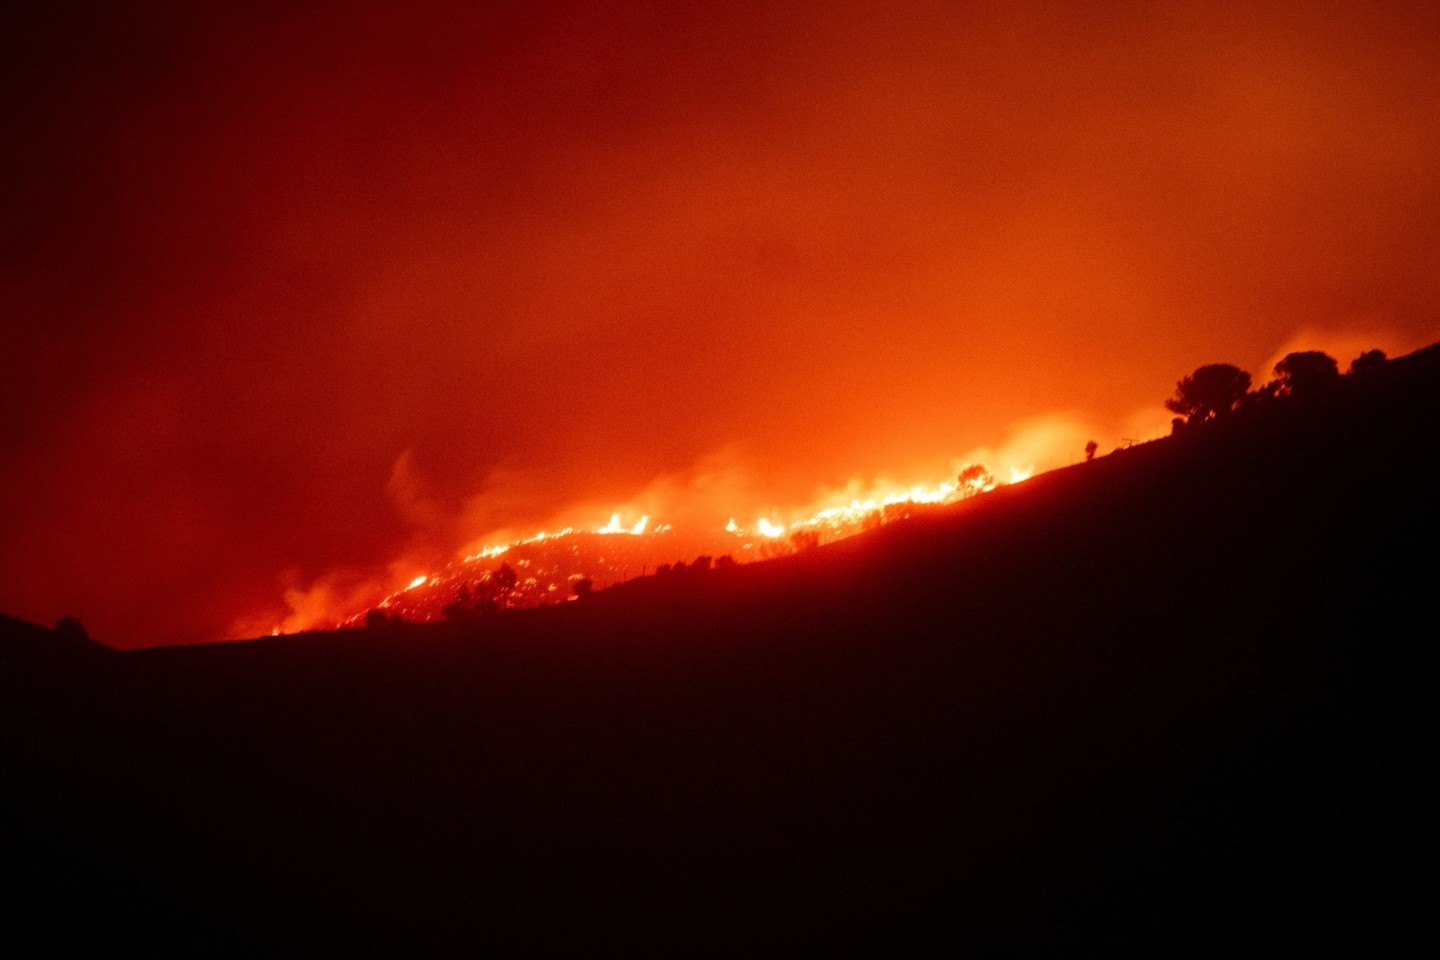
x=1174, y=699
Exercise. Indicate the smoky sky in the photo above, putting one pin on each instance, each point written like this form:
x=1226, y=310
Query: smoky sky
x=258, y=261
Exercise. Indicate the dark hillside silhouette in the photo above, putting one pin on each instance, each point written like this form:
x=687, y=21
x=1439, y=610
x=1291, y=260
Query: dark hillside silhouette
x=1175, y=700
x=22, y=642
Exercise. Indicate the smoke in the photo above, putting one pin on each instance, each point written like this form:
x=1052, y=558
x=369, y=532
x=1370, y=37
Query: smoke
x=414, y=497
x=1033, y=445
x=698, y=497
x=314, y=605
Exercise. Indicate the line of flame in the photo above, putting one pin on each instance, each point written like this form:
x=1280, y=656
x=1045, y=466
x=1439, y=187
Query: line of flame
x=838, y=519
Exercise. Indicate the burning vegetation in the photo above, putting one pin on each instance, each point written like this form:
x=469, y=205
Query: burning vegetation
x=555, y=566
x=568, y=563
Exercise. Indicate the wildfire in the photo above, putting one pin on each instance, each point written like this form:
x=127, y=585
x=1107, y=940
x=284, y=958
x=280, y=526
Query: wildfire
x=571, y=559
x=546, y=566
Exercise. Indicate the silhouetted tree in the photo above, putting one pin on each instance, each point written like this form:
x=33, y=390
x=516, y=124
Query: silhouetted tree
x=502, y=580
x=1368, y=362
x=725, y=562
x=376, y=618
x=701, y=563
x=1210, y=392
x=974, y=479
x=474, y=601
x=1305, y=373
x=1090, y=449
x=583, y=587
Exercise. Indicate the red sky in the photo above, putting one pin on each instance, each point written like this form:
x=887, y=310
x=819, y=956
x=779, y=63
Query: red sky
x=285, y=292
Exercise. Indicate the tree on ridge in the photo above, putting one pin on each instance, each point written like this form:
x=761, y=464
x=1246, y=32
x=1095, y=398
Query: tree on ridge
x=1210, y=392
x=1368, y=362
x=1305, y=373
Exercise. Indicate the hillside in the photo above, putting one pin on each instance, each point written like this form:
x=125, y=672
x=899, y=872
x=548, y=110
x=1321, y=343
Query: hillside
x=1170, y=700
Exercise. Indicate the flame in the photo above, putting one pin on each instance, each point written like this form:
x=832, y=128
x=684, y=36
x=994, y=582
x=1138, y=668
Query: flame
x=425, y=597
x=767, y=529
x=614, y=526
x=545, y=566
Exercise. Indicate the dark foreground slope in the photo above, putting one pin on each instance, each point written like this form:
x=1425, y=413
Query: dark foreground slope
x=1175, y=699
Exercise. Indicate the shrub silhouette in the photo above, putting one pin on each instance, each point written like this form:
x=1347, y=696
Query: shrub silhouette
x=1305, y=373
x=1209, y=393
x=583, y=587
x=1090, y=449
x=469, y=605
x=1367, y=362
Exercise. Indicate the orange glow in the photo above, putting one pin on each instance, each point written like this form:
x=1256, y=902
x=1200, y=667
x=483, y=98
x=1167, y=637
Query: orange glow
x=547, y=265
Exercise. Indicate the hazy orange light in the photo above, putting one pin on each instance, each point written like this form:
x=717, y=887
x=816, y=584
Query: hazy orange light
x=768, y=529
